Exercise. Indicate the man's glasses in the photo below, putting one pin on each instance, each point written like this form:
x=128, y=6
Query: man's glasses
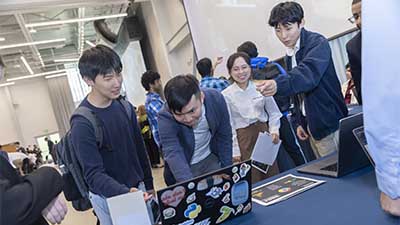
x=354, y=18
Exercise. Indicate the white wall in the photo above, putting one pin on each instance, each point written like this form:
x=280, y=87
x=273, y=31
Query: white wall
x=133, y=68
x=33, y=111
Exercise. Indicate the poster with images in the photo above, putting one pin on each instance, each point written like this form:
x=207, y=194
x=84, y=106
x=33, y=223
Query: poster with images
x=282, y=189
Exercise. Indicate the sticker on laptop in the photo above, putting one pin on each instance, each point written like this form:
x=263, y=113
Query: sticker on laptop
x=234, y=169
x=247, y=208
x=191, y=185
x=209, y=203
x=226, y=198
x=204, y=222
x=187, y=222
x=173, y=197
x=226, y=186
x=192, y=211
x=169, y=213
x=226, y=212
x=191, y=198
x=215, y=192
x=239, y=209
x=240, y=192
x=236, y=177
x=244, y=169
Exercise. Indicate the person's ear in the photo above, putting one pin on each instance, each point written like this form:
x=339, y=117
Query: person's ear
x=302, y=23
x=202, y=97
x=88, y=81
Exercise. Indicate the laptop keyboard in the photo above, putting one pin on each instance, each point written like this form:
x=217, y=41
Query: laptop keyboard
x=332, y=167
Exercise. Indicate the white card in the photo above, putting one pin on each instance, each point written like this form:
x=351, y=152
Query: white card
x=265, y=151
x=129, y=208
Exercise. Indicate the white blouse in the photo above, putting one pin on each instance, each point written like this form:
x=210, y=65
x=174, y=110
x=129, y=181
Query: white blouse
x=249, y=106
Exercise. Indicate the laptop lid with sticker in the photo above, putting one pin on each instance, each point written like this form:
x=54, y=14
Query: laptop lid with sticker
x=209, y=199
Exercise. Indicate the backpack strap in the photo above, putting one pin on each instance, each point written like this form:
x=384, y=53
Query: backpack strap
x=128, y=108
x=94, y=120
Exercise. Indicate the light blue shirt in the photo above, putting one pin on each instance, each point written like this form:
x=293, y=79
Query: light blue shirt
x=381, y=93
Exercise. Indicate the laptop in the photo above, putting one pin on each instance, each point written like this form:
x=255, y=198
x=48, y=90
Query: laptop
x=209, y=199
x=362, y=140
x=350, y=156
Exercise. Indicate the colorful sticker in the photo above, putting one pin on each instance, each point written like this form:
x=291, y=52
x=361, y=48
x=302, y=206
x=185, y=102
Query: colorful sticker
x=191, y=185
x=226, y=198
x=191, y=198
x=236, y=177
x=187, y=222
x=192, y=211
x=169, y=213
x=234, y=169
x=284, y=190
x=202, y=185
x=240, y=193
x=204, y=222
x=217, y=179
x=215, y=192
x=239, y=209
x=173, y=197
x=247, y=208
x=226, y=212
x=244, y=168
x=226, y=186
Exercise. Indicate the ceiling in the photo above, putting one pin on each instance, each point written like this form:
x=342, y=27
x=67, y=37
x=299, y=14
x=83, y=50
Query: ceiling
x=67, y=40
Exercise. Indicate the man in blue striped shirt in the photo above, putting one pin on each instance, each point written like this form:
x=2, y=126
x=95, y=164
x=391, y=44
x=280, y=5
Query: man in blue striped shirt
x=154, y=101
x=206, y=70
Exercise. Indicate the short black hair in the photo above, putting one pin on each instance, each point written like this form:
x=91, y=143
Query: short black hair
x=249, y=48
x=149, y=77
x=347, y=66
x=285, y=13
x=355, y=2
x=204, y=67
x=234, y=56
x=179, y=91
x=99, y=60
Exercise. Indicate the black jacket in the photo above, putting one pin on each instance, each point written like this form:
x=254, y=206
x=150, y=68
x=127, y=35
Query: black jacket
x=22, y=199
x=353, y=48
x=314, y=79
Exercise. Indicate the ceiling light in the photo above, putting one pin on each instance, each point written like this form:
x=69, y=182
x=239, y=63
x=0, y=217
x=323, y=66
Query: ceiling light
x=66, y=60
x=90, y=43
x=37, y=75
x=57, y=75
x=57, y=22
x=27, y=65
x=32, y=43
x=2, y=39
x=32, y=30
x=7, y=84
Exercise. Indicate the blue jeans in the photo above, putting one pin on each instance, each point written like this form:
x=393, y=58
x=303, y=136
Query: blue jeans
x=100, y=206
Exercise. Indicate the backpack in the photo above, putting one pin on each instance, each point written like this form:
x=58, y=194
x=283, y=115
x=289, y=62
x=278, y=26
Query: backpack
x=262, y=69
x=75, y=188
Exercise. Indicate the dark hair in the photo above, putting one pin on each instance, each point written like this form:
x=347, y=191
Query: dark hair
x=99, y=60
x=249, y=48
x=149, y=77
x=347, y=66
x=16, y=143
x=179, y=91
x=204, y=67
x=355, y=2
x=285, y=13
x=234, y=56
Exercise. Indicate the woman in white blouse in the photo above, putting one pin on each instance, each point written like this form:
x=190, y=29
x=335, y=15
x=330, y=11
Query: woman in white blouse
x=250, y=112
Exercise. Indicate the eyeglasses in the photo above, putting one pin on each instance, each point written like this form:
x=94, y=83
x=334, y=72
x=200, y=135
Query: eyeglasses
x=354, y=18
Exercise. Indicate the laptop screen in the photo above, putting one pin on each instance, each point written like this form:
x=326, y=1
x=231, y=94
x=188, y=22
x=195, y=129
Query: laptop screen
x=209, y=199
x=362, y=140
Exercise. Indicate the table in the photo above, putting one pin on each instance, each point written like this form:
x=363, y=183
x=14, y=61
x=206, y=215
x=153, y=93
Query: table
x=349, y=200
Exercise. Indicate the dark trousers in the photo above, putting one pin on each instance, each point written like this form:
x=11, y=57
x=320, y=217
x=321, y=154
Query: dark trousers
x=286, y=134
x=152, y=151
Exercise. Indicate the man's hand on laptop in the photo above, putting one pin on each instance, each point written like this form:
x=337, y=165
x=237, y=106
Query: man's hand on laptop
x=146, y=195
x=389, y=205
x=301, y=133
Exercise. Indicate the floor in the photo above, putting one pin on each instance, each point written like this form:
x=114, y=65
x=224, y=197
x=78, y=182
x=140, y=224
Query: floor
x=74, y=217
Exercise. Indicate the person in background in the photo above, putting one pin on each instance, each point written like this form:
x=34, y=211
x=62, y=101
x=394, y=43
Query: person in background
x=19, y=148
x=286, y=133
x=195, y=130
x=151, y=146
x=121, y=164
x=250, y=113
x=3, y=153
x=311, y=80
x=348, y=89
x=353, y=48
x=151, y=82
x=206, y=70
x=50, y=145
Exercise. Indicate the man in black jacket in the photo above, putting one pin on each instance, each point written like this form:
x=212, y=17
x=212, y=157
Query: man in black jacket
x=353, y=48
x=26, y=200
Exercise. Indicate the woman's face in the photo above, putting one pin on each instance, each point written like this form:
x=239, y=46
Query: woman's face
x=240, y=71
